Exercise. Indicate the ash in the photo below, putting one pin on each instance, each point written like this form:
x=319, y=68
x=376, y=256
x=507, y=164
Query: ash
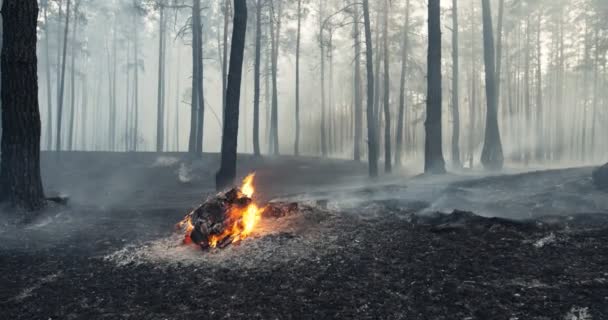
x=460, y=247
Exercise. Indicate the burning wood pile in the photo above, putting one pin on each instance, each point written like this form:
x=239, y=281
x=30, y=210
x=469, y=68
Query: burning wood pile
x=229, y=217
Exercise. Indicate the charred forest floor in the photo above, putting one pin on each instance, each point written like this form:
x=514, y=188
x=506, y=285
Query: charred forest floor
x=534, y=248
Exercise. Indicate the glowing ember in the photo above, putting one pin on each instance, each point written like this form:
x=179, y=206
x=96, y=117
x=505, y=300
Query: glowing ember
x=228, y=218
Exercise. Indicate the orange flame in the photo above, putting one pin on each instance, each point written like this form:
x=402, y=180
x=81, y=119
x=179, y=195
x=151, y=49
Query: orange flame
x=245, y=219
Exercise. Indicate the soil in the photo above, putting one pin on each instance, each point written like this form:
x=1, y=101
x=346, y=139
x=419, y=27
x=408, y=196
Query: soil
x=358, y=249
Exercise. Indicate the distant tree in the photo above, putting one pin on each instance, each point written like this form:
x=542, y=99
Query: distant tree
x=20, y=180
x=491, y=155
x=401, y=115
x=197, y=114
x=455, y=89
x=61, y=85
x=372, y=141
x=256, y=79
x=47, y=62
x=387, y=89
x=433, y=154
x=298, y=34
x=276, y=7
x=160, y=99
x=357, y=90
x=227, y=173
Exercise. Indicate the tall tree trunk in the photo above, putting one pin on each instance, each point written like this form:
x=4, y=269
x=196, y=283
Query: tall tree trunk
x=596, y=95
x=586, y=67
x=297, y=142
x=387, y=89
x=160, y=103
x=62, y=81
x=20, y=180
x=70, y=142
x=135, y=133
x=225, y=53
x=455, y=89
x=177, y=104
x=323, y=106
x=491, y=154
x=196, y=59
x=49, y=96
x=433, y=150
x=112, y=126
x=371, y=123
x=499, y=29
x=357, y=90
x=274, y=116
x=83, y=113
x=540, y=141
x=226, y=174
x=402, y=95
x=527, y=95
x=256, y=80
x=201, y=94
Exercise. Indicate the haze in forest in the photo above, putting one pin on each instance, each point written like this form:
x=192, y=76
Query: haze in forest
x=124, y=56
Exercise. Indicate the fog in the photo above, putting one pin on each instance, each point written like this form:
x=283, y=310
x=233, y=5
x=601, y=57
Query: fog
x=557, y=121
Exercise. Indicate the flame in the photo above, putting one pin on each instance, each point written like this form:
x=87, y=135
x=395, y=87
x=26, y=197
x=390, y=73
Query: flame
x=247, y=187
x=245, y=219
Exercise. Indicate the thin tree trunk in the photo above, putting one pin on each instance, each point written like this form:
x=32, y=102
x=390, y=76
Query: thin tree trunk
x=256, y=80
x=402, y=94
x=136, y=88
x=227, y=173
x=274, y=116
x=160, y=103
x=491, y=154
x=540, y=140
x=387, y=89
x=323, y=106
x=371, y=123
x=49, y=96
x=196, y=59
x=499, y=29
x=70, y=141
x=62, y=81
x=297, y=142
x=455, y=89
x=357, y=90
x=20, y=179
x=201, y=94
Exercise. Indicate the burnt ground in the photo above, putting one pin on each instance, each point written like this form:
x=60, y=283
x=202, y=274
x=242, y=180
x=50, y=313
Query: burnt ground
x=356, y=250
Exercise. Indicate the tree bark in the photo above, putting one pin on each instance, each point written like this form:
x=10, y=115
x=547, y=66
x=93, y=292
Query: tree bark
x=225, y=52
x=297, y=142
x=20, y=180
x=256, y=80
x=49, y=96
x=274, y=116
x=70, y=141
x=402, y=95
x=491, y=155
x=433, y=150
x=499, y=29
x=196, y=59
x=226, y=174
x=323, y=128
x=199, y=87
x=62, y=80
x=160, y=99
x=371, y=123
x=357, y=90
x=455, y=89
x=387, y=89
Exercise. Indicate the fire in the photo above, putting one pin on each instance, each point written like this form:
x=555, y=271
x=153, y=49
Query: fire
x=243, y=219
